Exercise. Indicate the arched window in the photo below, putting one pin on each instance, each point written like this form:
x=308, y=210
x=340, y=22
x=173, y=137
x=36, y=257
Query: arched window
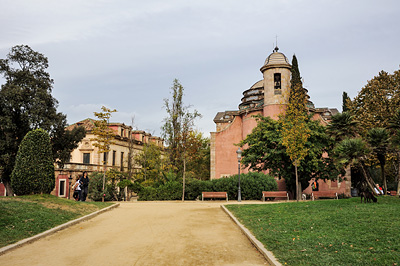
x=277, y=83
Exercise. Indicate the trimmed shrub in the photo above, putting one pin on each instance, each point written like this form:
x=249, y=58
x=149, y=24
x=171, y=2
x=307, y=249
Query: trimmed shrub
x=34, y=169
x=110, y=187
x=252, y=185
x=171, y=190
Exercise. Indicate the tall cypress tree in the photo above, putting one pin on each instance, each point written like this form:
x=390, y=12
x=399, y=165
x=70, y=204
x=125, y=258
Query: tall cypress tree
x=345, y=99
x=295, y=131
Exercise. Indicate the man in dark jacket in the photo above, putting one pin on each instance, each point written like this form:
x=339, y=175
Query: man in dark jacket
x=84, y=186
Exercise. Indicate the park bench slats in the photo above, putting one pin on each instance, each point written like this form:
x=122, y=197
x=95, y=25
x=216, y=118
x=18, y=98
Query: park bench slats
x=275, y=194
x=214, y=195
x=324, y=194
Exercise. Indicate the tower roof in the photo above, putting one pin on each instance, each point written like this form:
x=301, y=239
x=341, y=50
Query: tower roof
x=276, y=59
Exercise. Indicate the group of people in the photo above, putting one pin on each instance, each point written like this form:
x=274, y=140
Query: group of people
x=378, y=189
x=81, y=187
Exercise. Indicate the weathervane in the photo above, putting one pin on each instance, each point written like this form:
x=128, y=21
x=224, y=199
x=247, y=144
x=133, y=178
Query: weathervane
x=276, y=47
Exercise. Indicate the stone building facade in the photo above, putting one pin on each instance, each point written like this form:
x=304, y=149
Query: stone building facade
x=87, y=157
x=267, y=97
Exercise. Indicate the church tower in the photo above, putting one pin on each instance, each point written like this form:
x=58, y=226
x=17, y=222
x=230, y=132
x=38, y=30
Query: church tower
x=276, y=73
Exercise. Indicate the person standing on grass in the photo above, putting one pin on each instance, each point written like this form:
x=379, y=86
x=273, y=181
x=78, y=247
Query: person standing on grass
x=84, y=186
x=77, y=189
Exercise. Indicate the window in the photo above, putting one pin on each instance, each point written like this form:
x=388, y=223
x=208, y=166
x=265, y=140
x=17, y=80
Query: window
x=122, y=161
x=122, y=132
x=86, y=158
x=277, y=83
x=105, y=158
x=113, y=158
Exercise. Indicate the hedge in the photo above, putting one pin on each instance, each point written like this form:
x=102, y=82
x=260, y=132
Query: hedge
x=252, y=184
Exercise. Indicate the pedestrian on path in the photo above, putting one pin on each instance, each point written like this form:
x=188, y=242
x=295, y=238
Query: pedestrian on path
x=84, y=181
x=77, y=189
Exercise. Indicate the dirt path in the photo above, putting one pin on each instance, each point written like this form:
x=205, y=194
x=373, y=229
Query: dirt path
x=153, y=233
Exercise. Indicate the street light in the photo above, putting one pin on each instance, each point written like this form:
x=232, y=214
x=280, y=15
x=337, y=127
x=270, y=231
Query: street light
x=239, y=157
x=69, y=187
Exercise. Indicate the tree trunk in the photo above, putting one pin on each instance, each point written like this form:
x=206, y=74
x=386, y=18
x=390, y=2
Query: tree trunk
x=184, y=173
x=383, y=178
x=398, y=173
x=369, y=181
x=297, y=182
x=9, y=191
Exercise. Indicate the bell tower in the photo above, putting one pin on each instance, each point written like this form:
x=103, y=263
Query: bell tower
x=276, y=73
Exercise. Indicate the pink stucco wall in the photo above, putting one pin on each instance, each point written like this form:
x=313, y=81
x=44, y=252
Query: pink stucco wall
x=225, y=150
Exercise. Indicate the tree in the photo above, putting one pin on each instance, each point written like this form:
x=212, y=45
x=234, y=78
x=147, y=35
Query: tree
x=266, y=153
x=150, y=162
x=295, y=131
x=103, y=136
x=345, y=100
x=198, y=156
x=34, y=169
x=377, y=101
x=176, y=129
x=26, y=103
x=342, y=126
x=394, y=129
x=378, y=139
x=354, y=152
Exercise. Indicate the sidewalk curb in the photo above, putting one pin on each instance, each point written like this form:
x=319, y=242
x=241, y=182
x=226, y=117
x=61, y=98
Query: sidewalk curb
x=267, y=254
x=32, y=239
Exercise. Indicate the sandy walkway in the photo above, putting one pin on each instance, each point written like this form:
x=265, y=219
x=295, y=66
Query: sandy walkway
x=153, y=233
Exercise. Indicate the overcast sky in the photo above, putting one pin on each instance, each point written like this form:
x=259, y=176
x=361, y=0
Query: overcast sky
x=125, y=54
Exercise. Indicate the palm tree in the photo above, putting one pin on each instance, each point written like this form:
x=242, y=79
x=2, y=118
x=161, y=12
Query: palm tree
x=378, y=139
x=352, y=152
x=342, y=126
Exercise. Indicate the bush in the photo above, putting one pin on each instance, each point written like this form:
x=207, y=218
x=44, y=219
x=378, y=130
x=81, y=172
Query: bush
x=252, y=185
x=111, y=190
x=171, y=190
x=34, y=169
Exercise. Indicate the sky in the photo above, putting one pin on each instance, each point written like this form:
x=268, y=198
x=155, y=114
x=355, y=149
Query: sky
x=125, y=54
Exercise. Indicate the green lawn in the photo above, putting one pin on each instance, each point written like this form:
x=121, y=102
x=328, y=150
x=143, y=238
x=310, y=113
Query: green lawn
x=25, y=216
x=327, y=232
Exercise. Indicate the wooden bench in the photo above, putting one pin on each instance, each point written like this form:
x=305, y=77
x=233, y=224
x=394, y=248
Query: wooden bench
x=393, y=192
x=324, y=194
x=275, y=194
x=214, y=195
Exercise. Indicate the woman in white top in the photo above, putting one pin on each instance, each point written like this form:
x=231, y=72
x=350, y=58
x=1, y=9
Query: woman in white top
x=77, y=189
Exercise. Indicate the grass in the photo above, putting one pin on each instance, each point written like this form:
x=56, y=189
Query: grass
x=25, y=216
x=327, y=232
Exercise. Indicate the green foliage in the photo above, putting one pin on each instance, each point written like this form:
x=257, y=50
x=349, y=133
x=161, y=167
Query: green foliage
x=111, y=191
x=327, y=232
x=104, y=134
x=34, y=169
x=378, y=139
x=171, y=190
x=265, y=152
x=342, y=126
x=177, y=126
x=252, y=185
x=377, y=101
x=152, y=165
x=345, y=102
x=26, y=103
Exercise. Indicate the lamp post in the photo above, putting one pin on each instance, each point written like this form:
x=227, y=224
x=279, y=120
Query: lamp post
x=239, y=157
x=69, y=187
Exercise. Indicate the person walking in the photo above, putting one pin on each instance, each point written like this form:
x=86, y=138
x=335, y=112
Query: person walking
x=77, y=189
x=84, y=186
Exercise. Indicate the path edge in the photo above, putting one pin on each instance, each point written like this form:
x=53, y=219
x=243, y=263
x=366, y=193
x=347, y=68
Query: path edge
x=51, y=231
x=268, y=255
